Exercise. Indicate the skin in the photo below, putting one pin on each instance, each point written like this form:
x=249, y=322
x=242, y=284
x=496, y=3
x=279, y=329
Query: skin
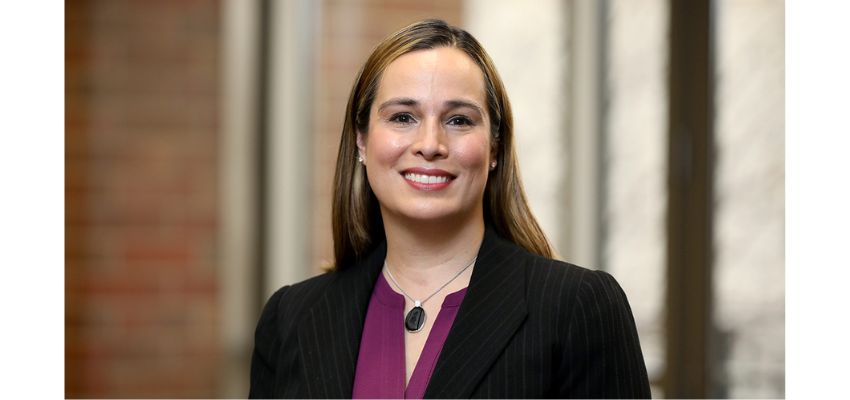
x=429, y=112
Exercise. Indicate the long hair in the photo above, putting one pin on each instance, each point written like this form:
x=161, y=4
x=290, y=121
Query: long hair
x=357, y=223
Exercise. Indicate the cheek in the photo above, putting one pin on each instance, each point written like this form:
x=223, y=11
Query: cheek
x=384, y=149
x=474, y=153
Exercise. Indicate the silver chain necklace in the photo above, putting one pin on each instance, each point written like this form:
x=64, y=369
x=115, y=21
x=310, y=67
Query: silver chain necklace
x=415, y=319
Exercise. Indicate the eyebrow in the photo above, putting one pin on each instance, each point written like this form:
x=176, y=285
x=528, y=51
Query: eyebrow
x=463, y=103
x=407, y=101
x=398, y=101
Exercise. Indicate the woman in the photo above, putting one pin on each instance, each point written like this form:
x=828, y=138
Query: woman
x=443, y=284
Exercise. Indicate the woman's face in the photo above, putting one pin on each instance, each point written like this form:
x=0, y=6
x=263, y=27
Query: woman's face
x=427, y=151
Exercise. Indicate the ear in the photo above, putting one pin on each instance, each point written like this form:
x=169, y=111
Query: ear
x=361, y=145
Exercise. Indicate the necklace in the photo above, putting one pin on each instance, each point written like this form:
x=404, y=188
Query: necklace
x=415, y=319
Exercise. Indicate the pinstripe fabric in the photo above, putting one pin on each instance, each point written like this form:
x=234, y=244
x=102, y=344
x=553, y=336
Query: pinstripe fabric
x=529, y=327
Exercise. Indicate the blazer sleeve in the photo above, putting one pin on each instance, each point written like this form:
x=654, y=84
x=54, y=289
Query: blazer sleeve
x=266, y=347
x=602, y=357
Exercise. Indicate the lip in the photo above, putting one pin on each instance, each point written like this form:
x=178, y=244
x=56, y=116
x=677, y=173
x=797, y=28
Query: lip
x=428, y=187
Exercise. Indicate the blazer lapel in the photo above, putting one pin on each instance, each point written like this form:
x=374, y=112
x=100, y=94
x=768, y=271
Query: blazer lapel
x=492, y=311
x=329, y=335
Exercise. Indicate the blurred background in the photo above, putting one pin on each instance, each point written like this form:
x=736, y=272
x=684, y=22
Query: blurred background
x=201, y=137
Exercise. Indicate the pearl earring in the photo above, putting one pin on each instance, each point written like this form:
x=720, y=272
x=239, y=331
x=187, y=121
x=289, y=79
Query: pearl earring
x=360, y=159
x=492, y=165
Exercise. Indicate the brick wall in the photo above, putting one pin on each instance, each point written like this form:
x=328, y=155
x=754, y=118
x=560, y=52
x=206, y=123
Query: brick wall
x=142, y=79
x=141, y=218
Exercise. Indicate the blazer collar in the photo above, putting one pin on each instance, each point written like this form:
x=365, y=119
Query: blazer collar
x=492, y=311
x=329, y=336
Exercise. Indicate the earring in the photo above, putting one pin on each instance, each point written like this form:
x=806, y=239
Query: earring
x=492, y=165
x=360, y=159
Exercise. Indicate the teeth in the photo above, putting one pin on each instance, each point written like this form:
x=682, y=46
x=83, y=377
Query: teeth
x=427, y=179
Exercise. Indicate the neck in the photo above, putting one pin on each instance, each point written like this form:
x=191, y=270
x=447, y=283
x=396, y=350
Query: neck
x=426, y=254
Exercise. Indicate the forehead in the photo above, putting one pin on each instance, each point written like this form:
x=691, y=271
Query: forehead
x=434, y=74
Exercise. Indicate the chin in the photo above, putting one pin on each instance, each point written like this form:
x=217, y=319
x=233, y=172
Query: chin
x=434, y=212
x=429, y=215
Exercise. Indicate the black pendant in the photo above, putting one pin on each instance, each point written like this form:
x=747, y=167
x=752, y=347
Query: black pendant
x=415, y=319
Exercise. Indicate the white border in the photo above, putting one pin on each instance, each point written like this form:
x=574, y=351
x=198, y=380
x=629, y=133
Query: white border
x=31, y=203
x=817, y=196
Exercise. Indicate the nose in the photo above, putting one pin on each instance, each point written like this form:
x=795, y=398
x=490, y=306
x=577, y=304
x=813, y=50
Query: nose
x=430, y=141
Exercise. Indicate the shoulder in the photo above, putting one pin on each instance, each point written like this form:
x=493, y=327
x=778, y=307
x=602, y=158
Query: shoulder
x=572, y=292
x=565, y=280
x=276, y=329
x=282, y=313
x=292, y=300
x=542, y=271
x=595, y=332
x=543, y=277
x=600, y=347
x=599, y=302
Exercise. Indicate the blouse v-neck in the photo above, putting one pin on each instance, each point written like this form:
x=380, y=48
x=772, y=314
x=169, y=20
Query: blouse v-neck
x=381, y=363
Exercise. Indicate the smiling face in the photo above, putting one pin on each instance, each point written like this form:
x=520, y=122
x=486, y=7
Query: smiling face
x=427, y=149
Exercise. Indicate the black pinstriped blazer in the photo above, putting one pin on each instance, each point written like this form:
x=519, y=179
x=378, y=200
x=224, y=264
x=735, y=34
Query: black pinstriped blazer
x=529, y=327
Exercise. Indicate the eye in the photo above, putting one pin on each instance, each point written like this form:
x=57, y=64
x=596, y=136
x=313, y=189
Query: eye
x=460, y=120
x=402, y=118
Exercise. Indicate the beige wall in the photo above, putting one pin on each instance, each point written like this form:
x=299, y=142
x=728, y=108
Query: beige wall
x=749, y=275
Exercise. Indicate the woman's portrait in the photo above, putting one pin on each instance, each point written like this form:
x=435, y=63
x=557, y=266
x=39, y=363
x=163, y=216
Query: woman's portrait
x=408, y=199
x=443, y=284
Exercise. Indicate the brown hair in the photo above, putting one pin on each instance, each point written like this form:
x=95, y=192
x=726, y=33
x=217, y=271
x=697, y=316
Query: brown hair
x=357, y=223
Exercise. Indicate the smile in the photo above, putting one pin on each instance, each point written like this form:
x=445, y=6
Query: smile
x=427, y=179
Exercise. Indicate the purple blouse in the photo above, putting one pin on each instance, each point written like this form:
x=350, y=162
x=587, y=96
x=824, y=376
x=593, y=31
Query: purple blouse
x=381, y=365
